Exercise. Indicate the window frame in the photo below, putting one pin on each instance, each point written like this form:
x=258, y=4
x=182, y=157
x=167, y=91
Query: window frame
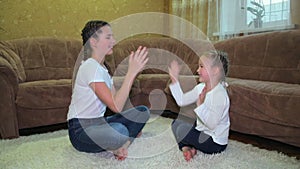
x=273, y=23
x=242, y=26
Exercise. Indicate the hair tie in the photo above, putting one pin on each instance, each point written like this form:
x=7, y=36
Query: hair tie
x=224, y=83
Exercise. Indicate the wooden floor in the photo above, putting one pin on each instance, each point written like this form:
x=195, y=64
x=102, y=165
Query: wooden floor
x=260, y=142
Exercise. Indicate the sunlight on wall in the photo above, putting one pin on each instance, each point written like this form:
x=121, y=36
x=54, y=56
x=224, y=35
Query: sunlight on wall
x=65, y=18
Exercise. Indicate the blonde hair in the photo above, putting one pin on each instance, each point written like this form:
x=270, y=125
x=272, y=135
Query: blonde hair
x=220, y=59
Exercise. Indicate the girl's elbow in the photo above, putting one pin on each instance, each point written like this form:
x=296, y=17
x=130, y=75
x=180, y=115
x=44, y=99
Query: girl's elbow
x=180, y=104
x=114, y=108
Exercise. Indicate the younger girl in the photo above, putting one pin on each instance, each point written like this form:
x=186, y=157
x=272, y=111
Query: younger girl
x=210, y=133
x=89, y=130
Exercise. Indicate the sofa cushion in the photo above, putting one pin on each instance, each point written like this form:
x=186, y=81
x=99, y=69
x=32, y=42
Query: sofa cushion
x=47, y=58
x=44, y=94
x=7, y=53
x=161, y=52
x=274, y=102
x=150, y=82
x=268, y=56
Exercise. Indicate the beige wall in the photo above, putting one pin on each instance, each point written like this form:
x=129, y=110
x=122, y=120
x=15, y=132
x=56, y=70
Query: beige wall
x=295, y=12
x=65, y=18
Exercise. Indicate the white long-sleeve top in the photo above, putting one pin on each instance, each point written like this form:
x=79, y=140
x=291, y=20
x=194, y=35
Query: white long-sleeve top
x=213, y=114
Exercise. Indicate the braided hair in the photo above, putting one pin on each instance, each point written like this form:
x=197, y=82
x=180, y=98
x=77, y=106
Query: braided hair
x=92, y=29
x=223, y=56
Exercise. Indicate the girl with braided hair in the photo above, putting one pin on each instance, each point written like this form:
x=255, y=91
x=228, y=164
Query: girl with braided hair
x=209, y=133
x=89, y=130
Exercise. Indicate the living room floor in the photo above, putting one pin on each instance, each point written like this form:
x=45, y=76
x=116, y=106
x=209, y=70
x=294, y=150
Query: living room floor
x=267, y=144
x=257, y=141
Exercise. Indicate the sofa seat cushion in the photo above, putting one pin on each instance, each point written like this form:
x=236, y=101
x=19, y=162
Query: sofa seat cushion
x=273, y=102
x=44, y=94
x=150, y=82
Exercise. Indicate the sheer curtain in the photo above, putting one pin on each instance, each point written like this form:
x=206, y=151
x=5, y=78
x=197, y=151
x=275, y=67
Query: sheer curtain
x=202, y=14
x=224, y=19
x=232, y=16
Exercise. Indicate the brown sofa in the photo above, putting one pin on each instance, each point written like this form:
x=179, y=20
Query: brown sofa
x=36, y=75
x=36, y=80
x=264, y=85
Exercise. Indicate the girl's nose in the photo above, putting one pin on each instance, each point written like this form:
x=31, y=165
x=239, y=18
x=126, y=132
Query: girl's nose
x=113, y=41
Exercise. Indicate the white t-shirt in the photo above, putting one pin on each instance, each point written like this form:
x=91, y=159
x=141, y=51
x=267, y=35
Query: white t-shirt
x=84, y=102
x=212, y=115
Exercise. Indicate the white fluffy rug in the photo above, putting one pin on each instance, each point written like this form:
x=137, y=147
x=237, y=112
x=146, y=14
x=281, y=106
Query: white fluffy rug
x=155, y=149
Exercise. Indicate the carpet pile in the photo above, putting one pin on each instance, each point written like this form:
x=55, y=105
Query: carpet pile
x=156, y=148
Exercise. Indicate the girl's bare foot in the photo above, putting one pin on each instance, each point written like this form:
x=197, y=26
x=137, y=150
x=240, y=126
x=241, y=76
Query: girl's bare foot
x=188, y=153
x=139, y=135
x=122, y=152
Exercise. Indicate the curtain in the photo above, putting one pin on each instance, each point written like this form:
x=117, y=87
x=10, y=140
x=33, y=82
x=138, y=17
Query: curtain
x=231, y=18
x=224, y=19
x=196, y=18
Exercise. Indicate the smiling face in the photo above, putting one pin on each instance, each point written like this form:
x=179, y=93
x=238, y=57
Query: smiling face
x=203, y=69
x=213, y=67
x=103, y=44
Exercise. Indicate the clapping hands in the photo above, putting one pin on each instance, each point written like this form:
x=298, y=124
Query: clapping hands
x=137, y=60
x=201, y=96
x=174, y=70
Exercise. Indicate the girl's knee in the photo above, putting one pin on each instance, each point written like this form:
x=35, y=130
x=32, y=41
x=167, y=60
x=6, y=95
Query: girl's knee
x=176, y=123
x=145, y=110
x=142, y=108
x=120, y=128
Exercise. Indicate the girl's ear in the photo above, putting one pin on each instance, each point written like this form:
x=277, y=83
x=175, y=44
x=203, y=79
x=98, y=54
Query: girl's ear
x=93, y=42
x=216, y=70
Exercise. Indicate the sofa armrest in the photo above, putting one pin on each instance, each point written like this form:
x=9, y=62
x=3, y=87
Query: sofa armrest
x=6, y=69
x=8, y=89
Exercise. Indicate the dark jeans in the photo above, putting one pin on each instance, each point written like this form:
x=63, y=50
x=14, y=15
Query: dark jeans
x=107, y=133
x=186, y=135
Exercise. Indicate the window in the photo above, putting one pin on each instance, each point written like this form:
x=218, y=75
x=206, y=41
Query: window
x=276, y=12
x=244, y=16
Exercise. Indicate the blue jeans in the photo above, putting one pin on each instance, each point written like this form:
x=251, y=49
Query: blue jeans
x=107, y=133
x=187, y=135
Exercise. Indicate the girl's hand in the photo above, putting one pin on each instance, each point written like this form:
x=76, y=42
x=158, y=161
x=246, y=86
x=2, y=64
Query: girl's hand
x=137, y=60
x=174, y=70
x=201, y=97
